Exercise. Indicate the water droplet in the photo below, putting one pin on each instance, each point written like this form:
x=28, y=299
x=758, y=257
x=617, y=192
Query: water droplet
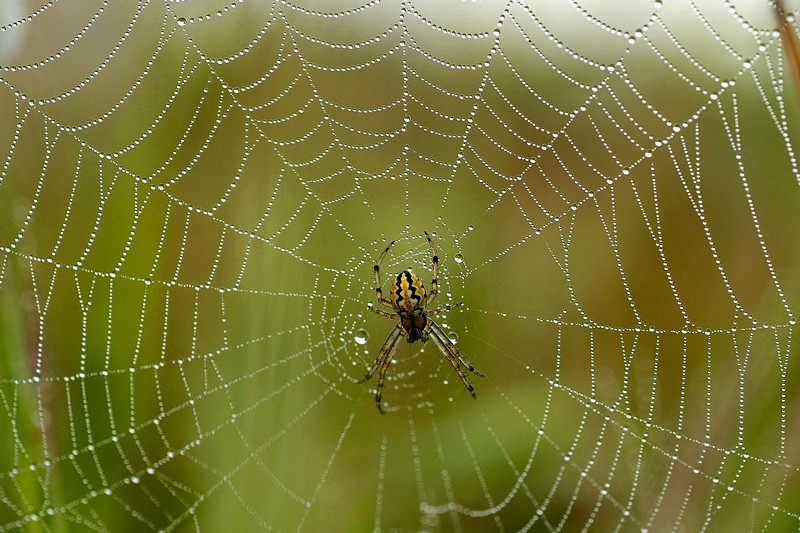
x=181, y=21
x=459, y=258
x=453, y=336
x=361, y=336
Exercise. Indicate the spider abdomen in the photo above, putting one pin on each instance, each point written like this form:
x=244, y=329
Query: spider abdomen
x=408, y=293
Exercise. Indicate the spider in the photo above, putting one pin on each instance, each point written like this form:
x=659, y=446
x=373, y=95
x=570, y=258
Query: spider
x=409, y=303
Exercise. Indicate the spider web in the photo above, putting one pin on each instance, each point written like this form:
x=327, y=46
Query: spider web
x=192, y=197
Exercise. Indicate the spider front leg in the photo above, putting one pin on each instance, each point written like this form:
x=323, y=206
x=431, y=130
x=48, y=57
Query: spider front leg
x=451, y=348
x=378, y=291
x=383, y=360
x=453, y=355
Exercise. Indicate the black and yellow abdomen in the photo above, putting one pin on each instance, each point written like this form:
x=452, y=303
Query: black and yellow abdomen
x=408, y=299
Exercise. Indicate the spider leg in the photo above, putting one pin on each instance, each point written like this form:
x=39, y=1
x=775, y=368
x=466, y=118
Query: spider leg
x=381, y=312
x=453, y=355
x=442, y=308
x=377, y=269
x=383, y=360
x=450, y=357
x=435, y=280
x=391, y=342
x=434, y=327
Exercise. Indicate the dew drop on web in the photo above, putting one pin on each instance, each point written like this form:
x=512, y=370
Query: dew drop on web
x=361, y=336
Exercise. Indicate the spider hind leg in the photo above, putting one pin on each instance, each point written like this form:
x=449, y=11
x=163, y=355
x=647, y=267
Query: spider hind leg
x=377, y=270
